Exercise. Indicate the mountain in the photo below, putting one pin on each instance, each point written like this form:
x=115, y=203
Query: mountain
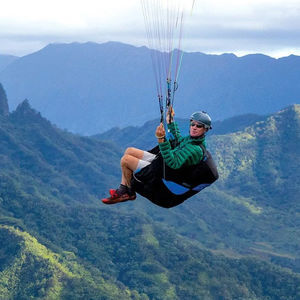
x=270, y=158
x=58, y=241
x=89, y=88
x=4, y=111
x=5, y=60
x=35, y=153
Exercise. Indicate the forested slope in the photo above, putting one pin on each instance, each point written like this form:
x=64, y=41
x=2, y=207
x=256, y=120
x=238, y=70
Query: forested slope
x=58, y=240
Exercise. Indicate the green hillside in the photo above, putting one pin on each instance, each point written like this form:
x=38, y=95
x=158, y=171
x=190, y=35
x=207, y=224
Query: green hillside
x=262, y=162
x=260, y=178
x=30, y=270
x=63, y=166
x=125, y=255
x=58, y=242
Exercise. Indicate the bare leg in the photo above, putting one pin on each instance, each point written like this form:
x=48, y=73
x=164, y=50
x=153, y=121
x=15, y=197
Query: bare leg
x=134, y=152
x=129, y=164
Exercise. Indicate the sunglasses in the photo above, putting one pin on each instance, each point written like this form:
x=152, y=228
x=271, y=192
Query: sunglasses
x=192, y=124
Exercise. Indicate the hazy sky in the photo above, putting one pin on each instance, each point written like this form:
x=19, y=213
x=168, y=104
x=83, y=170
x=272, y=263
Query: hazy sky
x=271, y=27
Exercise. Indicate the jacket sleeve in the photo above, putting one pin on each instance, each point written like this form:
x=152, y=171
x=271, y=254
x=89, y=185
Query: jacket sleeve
x=175, y=158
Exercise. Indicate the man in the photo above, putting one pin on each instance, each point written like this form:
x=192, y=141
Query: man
x=186, y=152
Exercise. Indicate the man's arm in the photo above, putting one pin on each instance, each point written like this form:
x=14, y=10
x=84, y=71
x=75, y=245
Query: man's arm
x=175, y=158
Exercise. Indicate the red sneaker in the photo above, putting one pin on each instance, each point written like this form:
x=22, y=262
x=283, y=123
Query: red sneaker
x=115, y=197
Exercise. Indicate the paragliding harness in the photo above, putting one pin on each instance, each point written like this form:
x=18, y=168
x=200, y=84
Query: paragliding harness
x=167, y=187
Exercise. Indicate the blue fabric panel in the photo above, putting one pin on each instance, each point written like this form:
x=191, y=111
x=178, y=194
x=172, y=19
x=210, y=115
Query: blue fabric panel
x=170, y=135
x=200, y=187
x=174, y=187
x=137, y=170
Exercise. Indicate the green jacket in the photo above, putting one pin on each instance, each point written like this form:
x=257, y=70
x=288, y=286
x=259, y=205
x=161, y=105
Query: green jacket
x=186, y=153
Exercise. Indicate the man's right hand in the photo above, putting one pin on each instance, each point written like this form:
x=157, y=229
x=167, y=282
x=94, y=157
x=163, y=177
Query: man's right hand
x=170, y=115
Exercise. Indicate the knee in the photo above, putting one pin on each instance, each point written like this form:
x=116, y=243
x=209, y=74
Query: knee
x=129, y=151
x=125, y=159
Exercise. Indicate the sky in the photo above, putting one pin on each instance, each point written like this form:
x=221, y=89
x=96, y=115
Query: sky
x=271, y=27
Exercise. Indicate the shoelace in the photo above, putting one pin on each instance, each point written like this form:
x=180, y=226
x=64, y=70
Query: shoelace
x=113, y=193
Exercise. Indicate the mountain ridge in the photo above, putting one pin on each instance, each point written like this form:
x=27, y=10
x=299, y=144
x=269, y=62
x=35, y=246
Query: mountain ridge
x=93, y=82
x=6, y=60
x=47, y=150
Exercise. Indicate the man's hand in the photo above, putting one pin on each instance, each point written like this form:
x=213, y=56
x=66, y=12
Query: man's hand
x=160, y=133
x=170, y=115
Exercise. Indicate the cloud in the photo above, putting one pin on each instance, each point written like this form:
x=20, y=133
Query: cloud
x=268, y=26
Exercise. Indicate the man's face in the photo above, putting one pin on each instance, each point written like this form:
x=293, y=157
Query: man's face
x=196, y=129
